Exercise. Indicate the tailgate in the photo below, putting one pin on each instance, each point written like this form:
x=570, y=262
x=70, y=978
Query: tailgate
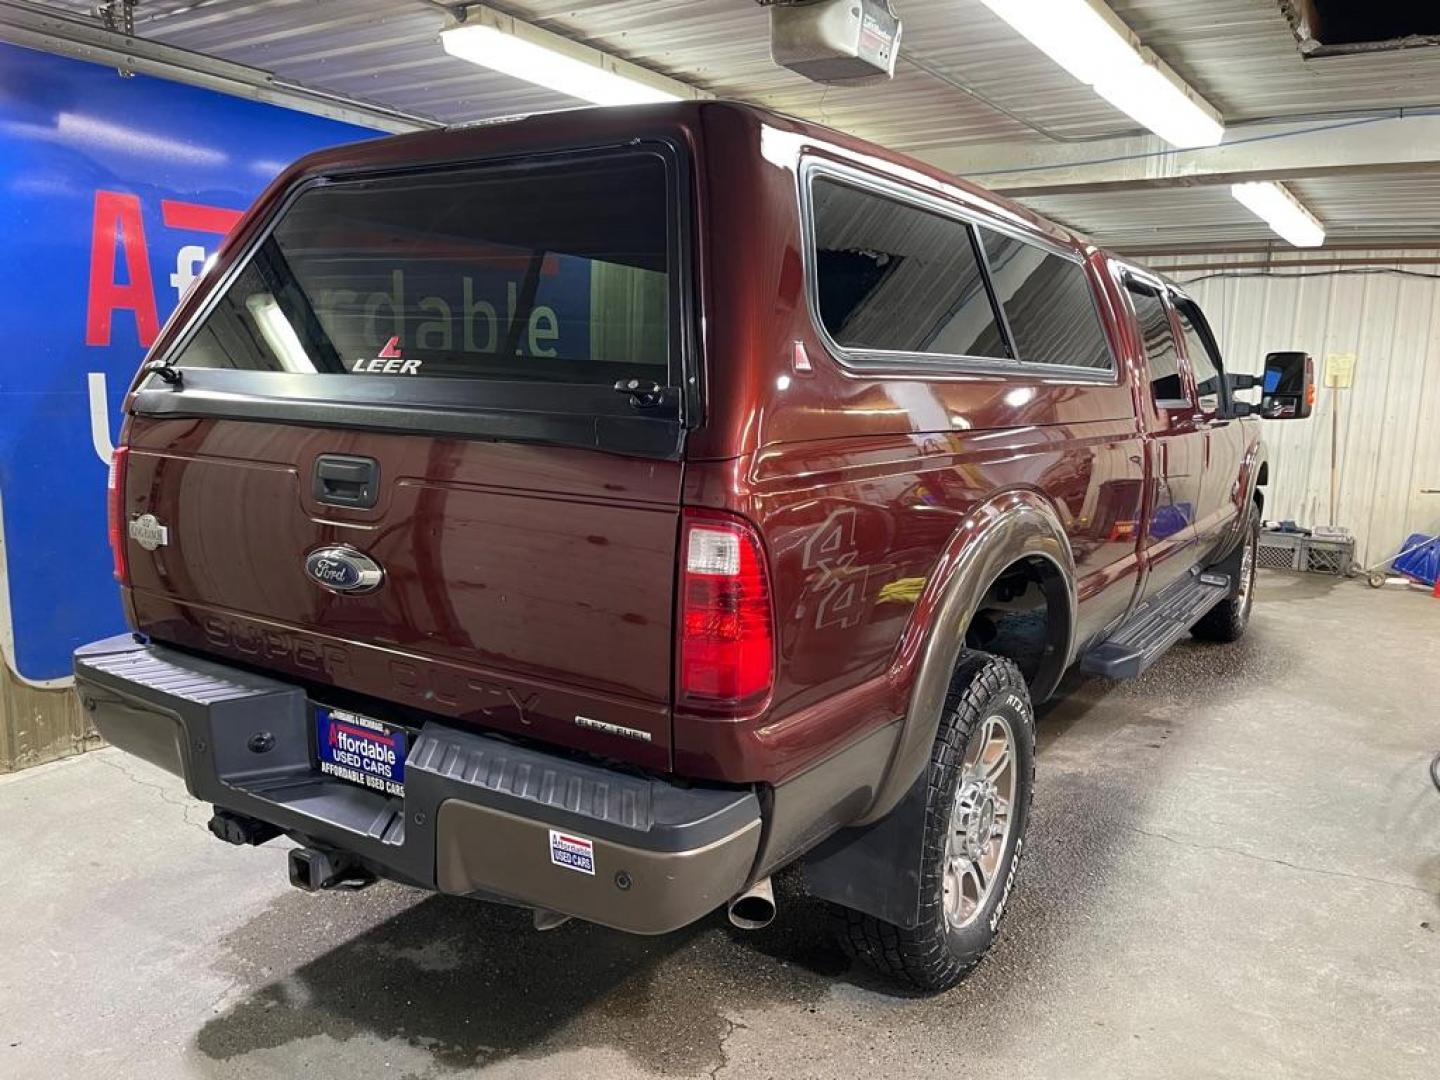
x=397, y=461
x=524, y=587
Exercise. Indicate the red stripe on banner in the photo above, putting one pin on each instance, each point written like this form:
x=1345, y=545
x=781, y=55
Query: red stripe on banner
x=337, y=725
x=197, y=216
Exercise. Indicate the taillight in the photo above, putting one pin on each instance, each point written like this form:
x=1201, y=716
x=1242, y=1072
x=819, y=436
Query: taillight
x=115, y=513
x=727, y=640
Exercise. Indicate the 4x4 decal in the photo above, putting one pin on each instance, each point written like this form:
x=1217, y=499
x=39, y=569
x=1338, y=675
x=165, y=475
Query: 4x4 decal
x=839, y=584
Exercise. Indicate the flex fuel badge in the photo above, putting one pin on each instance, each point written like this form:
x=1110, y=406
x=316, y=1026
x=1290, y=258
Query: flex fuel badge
x=147, y=531
x=572, y=852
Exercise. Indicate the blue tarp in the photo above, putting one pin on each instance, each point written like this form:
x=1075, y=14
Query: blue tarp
x=1422, y=564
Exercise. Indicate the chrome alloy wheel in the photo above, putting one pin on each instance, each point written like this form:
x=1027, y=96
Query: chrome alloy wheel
x=980, y=821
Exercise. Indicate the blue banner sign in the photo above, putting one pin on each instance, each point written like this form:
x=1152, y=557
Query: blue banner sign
x=113, y=193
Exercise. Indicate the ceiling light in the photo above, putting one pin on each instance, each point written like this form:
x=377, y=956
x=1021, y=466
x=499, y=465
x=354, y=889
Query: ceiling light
x=1087, y=40
x=1147, y=96
x=1284, y=213
x=527, y=52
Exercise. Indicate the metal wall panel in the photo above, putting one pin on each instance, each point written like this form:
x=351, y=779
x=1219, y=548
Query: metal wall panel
x=39, y=725
x=1389, y=460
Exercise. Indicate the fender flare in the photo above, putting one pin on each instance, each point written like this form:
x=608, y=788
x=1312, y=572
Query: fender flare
x=1257, y=462
x=874, y=865
x=1003, y=530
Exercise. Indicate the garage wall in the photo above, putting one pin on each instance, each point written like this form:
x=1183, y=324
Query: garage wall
x=39, y=725
x=1389, y=423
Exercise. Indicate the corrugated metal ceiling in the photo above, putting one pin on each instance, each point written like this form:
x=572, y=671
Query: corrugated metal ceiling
x=1242, y=55
x=1239, y=53
x=1352, y=208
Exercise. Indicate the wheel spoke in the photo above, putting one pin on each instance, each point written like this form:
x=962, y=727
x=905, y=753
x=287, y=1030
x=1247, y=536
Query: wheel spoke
x=952, y=890
x=977, y=875
x=983, y=740
x=1000, y=764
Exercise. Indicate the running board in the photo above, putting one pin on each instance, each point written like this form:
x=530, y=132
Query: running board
x=1154, y=627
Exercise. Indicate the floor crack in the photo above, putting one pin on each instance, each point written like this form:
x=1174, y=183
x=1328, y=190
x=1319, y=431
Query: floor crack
x=185, y=803
x=731, y=1026
x=1275, y=861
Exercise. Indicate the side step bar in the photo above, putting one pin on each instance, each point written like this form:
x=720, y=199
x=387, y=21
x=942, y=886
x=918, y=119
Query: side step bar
x=1155, y=626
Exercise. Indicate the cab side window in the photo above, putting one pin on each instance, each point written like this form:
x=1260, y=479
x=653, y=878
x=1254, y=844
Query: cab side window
x=1161, y=353
x=1203, y=362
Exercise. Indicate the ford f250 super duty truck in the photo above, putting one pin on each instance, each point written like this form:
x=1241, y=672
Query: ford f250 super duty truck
x=602, y=511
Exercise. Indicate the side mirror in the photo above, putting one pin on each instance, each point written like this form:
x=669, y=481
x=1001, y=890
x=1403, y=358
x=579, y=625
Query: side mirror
x=1288, y=387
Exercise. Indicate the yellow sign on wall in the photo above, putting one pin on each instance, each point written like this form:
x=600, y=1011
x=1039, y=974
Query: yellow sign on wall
x=1340, y=371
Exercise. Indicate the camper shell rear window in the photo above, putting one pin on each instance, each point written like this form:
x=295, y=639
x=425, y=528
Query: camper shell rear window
x=555, y=271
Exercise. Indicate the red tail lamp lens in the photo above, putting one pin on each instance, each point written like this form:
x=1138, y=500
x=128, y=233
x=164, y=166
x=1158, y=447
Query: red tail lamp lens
x=727, y=641
x=115, y=512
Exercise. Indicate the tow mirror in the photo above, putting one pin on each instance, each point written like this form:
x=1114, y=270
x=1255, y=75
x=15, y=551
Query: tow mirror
x=1237, y=383
x=1287, y=391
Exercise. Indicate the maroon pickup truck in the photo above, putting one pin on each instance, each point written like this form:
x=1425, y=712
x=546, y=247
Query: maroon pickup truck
x=602, y=511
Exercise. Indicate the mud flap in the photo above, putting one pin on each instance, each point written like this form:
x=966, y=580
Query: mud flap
x=875, y=869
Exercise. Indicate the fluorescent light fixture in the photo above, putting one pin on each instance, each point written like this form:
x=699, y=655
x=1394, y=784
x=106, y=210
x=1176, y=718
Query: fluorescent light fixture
x=275, y=328
x=1284, y=213
x=1089, y=41
x=527, y=52
x=1147, y=96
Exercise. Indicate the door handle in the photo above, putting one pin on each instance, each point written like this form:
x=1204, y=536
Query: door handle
x=343, y=480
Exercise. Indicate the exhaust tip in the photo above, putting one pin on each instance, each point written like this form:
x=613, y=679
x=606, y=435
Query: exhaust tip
x=754, y=909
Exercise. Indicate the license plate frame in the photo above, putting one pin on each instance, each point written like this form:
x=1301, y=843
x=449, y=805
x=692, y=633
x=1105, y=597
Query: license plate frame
x=360, y=749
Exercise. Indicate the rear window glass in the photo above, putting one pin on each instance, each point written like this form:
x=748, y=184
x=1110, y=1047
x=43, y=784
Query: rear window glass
x=894, y=278
x=1161, y=354
x=550, y=272
x=1202, y=364
x=1048, y=303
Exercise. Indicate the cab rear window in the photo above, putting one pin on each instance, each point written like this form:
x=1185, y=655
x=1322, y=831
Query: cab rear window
x=552, y=272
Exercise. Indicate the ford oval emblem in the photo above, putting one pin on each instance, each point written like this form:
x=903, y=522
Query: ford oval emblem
x=342, y=569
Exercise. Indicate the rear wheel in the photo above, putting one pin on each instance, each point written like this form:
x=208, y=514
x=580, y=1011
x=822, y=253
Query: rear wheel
x=981, y=776
x=1227, y=620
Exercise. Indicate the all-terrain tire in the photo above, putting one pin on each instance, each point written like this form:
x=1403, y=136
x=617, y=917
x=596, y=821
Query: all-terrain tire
x=1227, y=620
x=936, y=954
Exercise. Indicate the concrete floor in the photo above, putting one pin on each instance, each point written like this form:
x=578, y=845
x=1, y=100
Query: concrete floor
x=1232, y=870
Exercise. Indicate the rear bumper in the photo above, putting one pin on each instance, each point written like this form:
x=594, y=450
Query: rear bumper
x=477, y=812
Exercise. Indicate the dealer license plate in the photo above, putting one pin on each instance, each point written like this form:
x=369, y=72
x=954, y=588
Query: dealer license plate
x=363, y=751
